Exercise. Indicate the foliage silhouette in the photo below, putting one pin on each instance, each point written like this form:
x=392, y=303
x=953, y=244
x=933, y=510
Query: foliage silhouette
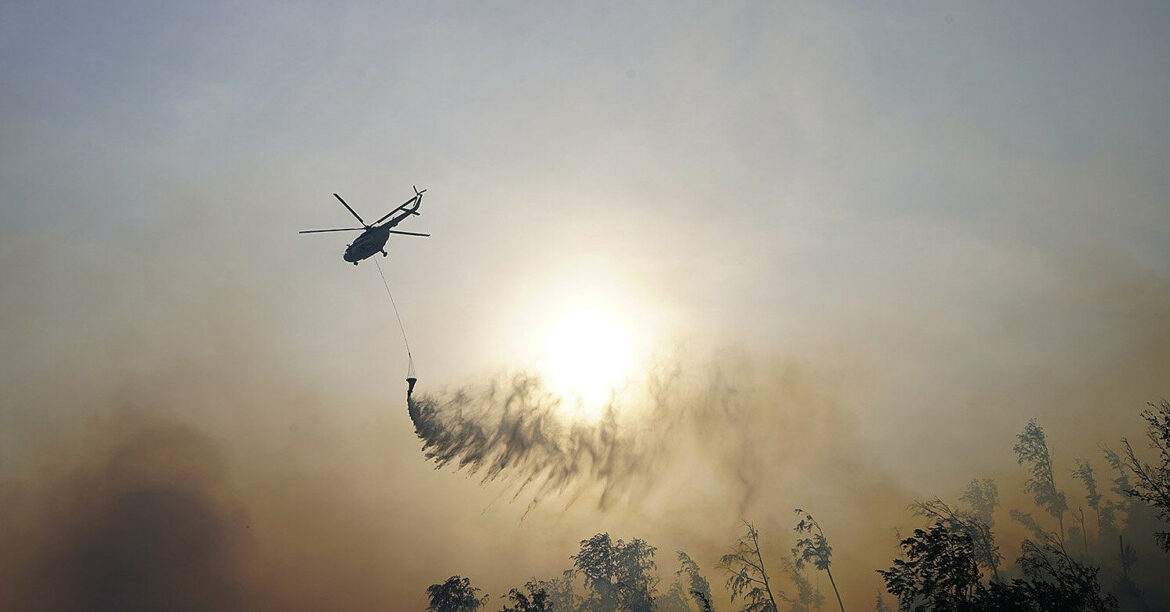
x=982, y=495
x=1031, y=524
x=697, y=586
x=456, y=594
x=1111, y=509
x=953, y=563
x=814, y=546
x=561, y=595
x=1126, y=588
x=534, y=598
x=1053, y=580
x=618, y=575
x=1032, y=448
x=1084, y=473
x=986, y=551
x=747, y=576
x=1153, y=481
x=1079, y=530
x=939, y=571
x=808, y=597
x=675, y=600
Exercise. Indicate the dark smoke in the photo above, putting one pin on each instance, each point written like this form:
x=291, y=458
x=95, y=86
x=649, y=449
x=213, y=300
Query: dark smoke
x=152, y=526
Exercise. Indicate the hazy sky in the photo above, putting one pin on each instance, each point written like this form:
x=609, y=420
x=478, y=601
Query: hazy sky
x=949, y=217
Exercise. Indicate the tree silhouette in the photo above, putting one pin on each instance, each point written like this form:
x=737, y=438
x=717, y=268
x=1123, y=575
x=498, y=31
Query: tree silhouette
x=982, y=496
x=808, y=597
x=675, y=600
x=697, y=586
x=533, y=598
x=747, y=576
x=939, y=571
x=1153, y=481
x=1084, y=473
x=561, y=595
x=814, y=546
x=970, y=522
x=617, y=575
x=1032, y=448
x=1108, y=509
x=952, y=564
x=1126, y=588
x=455, y=595
x=1031, y=524
x=1053, y=580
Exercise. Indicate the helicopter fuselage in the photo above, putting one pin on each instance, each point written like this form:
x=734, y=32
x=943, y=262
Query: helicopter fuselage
x=369, y=243
x=373, y=237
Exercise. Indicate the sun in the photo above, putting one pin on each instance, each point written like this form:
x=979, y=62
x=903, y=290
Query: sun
x=588, y=355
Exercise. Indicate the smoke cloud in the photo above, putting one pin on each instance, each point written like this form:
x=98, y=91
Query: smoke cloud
x=514, y=430
x=251, y=488
x=151, y=525
x=726, y=440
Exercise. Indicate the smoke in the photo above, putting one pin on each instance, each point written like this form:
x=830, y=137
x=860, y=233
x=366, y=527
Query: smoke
x=272, y=485
x=743, y=432
x=151, y=525
x=706, y=443
x=151, y=513
x=513, y=430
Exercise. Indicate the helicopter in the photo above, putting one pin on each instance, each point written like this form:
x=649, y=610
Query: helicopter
x=373, y=236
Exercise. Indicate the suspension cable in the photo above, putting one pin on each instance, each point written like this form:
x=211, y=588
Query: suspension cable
x=397, y=315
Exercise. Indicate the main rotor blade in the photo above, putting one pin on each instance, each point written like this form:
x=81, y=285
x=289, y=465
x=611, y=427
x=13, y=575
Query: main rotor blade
x=407, y=233
x=351, y=211
x=404, y=205
x=340, y=229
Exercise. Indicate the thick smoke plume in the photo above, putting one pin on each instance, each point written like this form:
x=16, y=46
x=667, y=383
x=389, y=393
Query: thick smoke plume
x=152, y=526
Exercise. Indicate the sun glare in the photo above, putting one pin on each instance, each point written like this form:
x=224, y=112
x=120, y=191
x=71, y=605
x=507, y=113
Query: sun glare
x=588, y=355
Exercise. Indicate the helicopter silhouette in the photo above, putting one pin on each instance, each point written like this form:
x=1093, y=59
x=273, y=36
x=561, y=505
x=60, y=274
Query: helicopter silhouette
x=373, y=236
